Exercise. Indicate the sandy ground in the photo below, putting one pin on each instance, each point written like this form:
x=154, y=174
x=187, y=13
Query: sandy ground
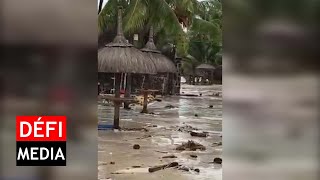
x=117, y=146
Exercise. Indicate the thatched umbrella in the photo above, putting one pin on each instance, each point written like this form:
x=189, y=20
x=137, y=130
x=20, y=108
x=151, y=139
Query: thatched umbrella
x=162, y=63
x=119, y=57
x=205, y=68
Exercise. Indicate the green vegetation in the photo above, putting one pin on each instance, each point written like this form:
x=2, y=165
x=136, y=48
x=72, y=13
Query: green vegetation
x=193, y=26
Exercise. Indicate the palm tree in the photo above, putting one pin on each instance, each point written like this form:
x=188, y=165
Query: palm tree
x=168, y=17
x=205, y=37
x=191, y=25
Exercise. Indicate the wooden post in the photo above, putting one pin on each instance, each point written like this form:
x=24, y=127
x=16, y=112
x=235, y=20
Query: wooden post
x=145, y=102
x=128, y=90
x=145, y=94
x=168, y=84
x=117, y=103
x=173, y=83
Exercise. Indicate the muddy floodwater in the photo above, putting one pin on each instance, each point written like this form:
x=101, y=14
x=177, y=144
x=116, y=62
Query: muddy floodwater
x=117, y=160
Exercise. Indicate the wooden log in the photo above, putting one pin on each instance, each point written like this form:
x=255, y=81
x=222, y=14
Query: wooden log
x=157, y=168
x=170, y=156
x=198, y=134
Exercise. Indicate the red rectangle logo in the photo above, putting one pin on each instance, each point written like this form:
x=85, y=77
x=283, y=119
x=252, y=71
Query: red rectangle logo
x=41, y=128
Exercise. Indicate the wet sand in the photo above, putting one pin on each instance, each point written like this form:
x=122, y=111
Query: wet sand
x=162, y=138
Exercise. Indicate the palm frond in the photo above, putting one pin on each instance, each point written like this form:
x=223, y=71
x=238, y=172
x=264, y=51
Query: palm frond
x=136, y=16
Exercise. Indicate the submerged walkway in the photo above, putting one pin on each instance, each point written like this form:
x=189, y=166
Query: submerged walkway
x=163, y=137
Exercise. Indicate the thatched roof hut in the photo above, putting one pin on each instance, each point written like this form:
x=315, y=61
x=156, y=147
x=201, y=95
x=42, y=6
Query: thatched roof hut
x=207, y=67
x=120, y=56
x=162, y=63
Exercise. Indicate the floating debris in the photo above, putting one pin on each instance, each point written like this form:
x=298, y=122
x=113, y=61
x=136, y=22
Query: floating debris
x=161, y=167
x=190, y=146
x=134, y=129
x=217, y=160
x=217, y=94
x=190, y=95
x=193, y=156
x=184, y=168
x=144, y=137
x=112, y=162
x=187, y=169
x=136, y=166
x=198, y=134
x=136, y=146
x=169, y=106
x=170, y=156
x=186, y=128
x=217, y=144
x=164, y=152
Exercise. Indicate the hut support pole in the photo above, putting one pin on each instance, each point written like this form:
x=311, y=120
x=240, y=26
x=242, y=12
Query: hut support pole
x=128, y=90
x=163, y=86
x=145, y=95
x=168, y=87
x=173, y=83
x=117, y=103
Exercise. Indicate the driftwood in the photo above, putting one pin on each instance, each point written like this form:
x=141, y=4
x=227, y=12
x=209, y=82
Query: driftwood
x=144, y=137
x=193, y=156
x=134, y=129
x=165, y=166
x=164, y=152
x=198, y=134
x=217, y=144
x=190, y=95
x=136, y=166
x=170, y=156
